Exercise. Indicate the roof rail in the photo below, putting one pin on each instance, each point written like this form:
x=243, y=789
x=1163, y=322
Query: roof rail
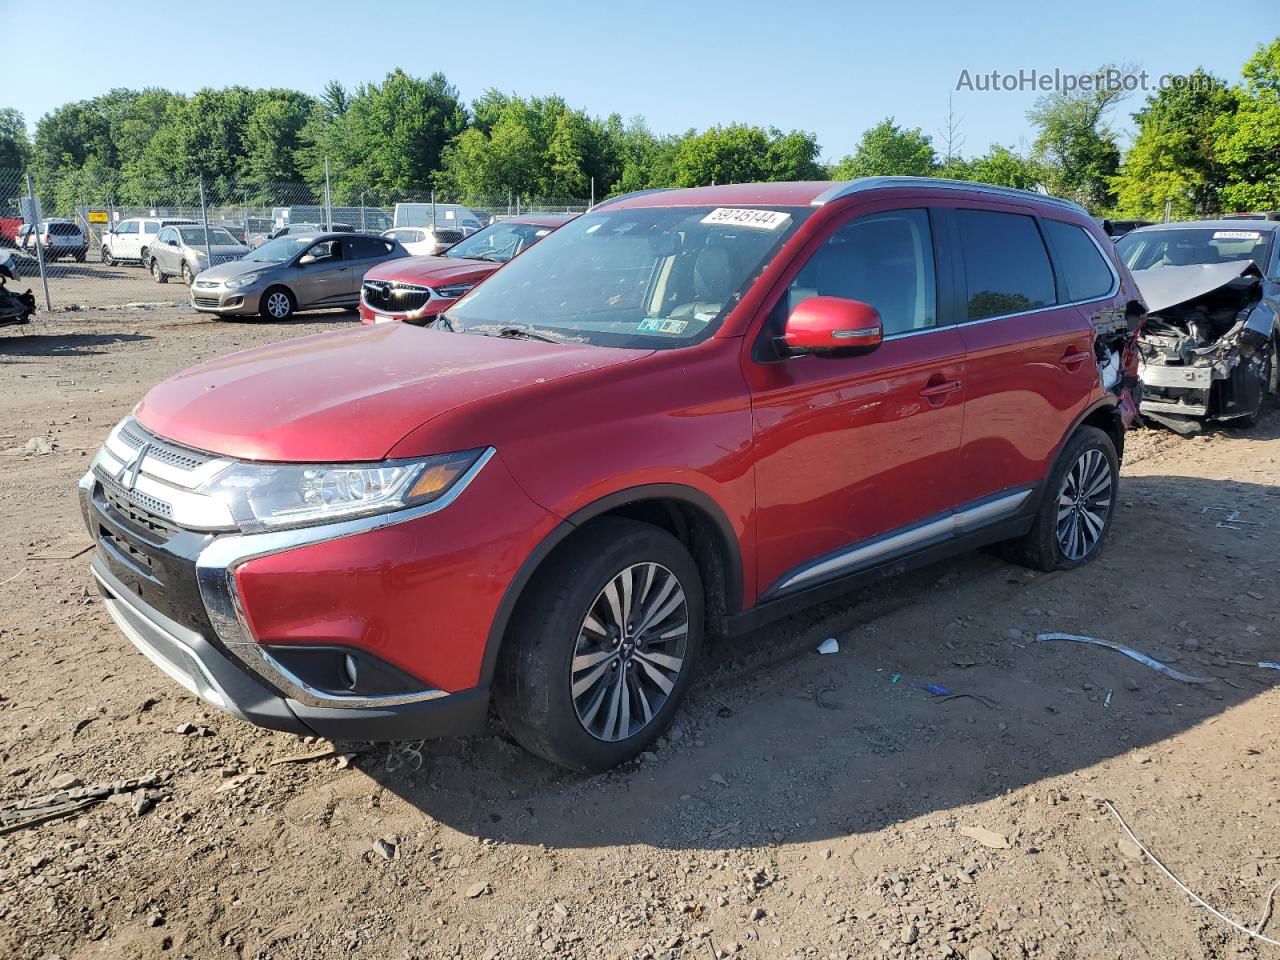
x=839, y=190
x=628, y=196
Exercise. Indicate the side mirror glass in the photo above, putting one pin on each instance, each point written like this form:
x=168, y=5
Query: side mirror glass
x=832, y=327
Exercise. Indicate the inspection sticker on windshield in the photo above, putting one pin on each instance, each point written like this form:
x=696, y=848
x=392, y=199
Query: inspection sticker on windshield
x=756, y=219
x=660, y=325
x=1236, y=235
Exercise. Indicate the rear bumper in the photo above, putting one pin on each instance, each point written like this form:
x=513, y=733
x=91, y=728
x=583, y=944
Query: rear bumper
x=188, y=658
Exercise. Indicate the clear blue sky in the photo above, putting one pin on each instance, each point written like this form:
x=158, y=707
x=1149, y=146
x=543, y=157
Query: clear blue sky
x=833, y=68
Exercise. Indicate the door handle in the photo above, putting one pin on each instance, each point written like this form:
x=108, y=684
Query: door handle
x=938, y=388
x=1073, y=358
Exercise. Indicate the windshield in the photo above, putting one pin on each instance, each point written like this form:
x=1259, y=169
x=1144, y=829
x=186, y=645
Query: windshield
x=650, y=278
x=218, y=237
x=280, y=249
x=499, y=242
x=1176, y=248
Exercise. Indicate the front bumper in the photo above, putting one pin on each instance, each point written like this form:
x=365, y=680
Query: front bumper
x=178, y=601
x=221, y=300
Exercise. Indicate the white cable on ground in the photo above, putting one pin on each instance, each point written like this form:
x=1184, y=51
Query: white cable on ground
x=1266, y=908
x=1182, y=886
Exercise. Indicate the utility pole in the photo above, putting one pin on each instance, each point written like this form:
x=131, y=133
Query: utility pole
x=328, y=198
x=204, y=217
x=433, y=209
x=593, y=192
x=35, y=235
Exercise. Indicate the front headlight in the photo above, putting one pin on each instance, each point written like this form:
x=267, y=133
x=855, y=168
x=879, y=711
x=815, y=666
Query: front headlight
x=238, y=283
x=269, y=496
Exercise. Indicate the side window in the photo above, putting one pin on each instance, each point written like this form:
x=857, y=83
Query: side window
x=886, y=260
x=165, y=236
x=327, y=250
x=1085, y=273
x=1006, y=266
x=129, y=226
x=363, y=248
x=148, y=227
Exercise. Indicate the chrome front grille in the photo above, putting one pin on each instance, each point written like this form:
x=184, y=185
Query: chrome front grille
x=392, y=296
x=160, y=480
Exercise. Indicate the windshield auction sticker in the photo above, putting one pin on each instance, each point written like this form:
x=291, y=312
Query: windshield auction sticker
x=1236, y=235
x=756, y=219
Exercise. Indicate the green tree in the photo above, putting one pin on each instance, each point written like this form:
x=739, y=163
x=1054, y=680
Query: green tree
x=1247, y=142
x=739, y=153
x=387, y=138
x=1076, y=146
x=1173, y=158
x=889, y=150
x=1000, y=165
x=14, y=148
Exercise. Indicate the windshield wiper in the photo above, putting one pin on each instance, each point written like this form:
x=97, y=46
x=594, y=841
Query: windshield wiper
x=519, y=333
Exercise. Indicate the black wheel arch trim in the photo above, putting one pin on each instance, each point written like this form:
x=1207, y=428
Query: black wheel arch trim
x=576, y=520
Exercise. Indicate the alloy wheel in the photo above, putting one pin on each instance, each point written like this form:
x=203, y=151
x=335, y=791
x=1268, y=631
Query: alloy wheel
x=1084, y=504
x=630, y=651
x=278, y=305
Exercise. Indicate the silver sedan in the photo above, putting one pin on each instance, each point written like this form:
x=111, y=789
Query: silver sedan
x=293, y=273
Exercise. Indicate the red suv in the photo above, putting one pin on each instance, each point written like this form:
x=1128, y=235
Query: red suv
x=418, y=289
x=685, y=411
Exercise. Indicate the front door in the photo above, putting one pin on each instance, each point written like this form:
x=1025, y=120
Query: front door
x=854, y=451
x=324, y=278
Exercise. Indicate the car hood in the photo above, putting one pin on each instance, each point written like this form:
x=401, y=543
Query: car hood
x=1164, y=287
x=432, y=271
x=236, y=268
x=352, y=395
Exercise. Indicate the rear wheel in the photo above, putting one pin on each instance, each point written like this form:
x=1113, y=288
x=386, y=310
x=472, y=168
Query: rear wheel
x=142, y=256
x=186, y=274
x=601, y=649
x=1078, y=505
x=277, y=304
x=157, y=272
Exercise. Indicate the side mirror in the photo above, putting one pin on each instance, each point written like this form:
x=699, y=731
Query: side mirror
x=306, y=260
x=831, y=327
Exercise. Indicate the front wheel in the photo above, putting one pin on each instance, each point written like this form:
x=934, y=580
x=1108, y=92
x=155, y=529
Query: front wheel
x=157, y=272
x=107, y=259
x=1078, y=505
x=601, y=649
x=1266, y=375
x=278, y=304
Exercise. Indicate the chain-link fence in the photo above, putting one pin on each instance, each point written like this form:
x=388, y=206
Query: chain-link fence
x=85, y=244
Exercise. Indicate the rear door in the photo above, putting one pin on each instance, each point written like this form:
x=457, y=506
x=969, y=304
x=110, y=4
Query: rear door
x=364, y=253
x=165, y=251
x=1029, y=368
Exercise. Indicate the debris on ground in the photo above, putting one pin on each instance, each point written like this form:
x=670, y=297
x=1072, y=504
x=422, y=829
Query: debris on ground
x=988, y=838
x=1142, y=658
x=829, y=645
x=63, y=802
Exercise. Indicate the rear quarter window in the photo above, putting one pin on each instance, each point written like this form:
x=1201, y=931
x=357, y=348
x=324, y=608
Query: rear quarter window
x=1084, y=272
x=1006, y=265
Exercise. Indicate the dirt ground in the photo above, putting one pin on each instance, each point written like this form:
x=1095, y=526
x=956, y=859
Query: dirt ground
x=804, y=806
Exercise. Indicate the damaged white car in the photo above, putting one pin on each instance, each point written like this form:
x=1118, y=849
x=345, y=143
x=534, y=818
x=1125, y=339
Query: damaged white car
x=1212, y=332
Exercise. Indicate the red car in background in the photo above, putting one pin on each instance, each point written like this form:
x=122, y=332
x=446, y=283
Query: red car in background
x=418, y=289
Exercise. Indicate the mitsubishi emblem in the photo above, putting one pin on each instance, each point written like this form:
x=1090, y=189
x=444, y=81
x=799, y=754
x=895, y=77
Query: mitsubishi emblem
x=128, y=475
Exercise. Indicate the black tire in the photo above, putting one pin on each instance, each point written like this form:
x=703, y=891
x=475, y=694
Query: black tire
x=1268, y=374
x=267, y=305
x=1042, y=549
x=107, y=259
x=187, y=276
x=81, y=256
x=157, y=272
x=143, y=257
x=533, y=683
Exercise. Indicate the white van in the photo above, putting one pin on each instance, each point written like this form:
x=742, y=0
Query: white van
x=130, y=239
x=453, y=215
